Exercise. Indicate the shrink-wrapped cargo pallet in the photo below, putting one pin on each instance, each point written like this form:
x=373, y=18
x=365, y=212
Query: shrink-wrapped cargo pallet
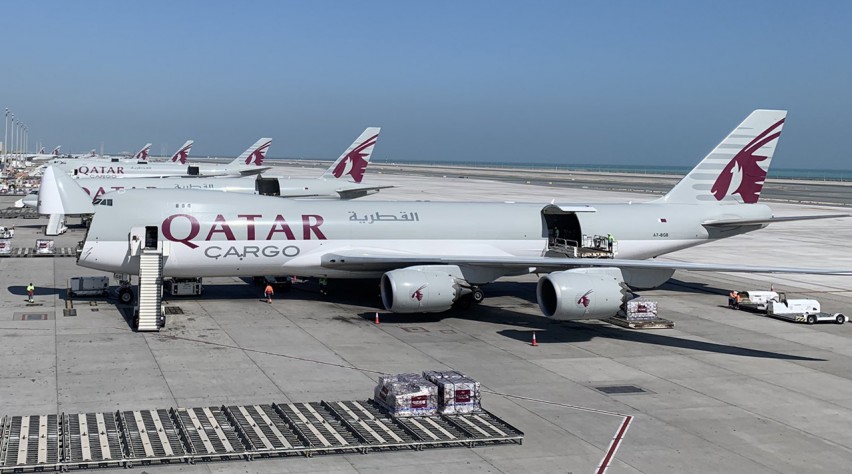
x=407, y=395
x=457, y=393
x=640, y=309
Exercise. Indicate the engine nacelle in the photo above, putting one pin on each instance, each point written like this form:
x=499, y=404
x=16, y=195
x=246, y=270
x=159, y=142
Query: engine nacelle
x=421, y=289
x=581, y=293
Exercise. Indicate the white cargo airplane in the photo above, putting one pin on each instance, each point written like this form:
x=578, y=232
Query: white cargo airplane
x=431, y=255
x=249, y=163
x=342, y=180
x=42, y=156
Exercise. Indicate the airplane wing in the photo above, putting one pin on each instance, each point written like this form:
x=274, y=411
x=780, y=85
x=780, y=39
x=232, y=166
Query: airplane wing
x=773, y=220
x=376, y=260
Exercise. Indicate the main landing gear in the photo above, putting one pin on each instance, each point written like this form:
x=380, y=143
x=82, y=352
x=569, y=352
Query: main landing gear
x=475, y=296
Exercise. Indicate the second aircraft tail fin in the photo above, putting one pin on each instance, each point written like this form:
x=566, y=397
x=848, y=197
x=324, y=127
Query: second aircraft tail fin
x=353, y=162
x=254, y=154
x=182, y=153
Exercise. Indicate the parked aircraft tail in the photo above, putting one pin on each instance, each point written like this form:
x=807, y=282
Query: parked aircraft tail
x=254, y=154
x=736, y=169
x=41, y=151
x=142, y=155
x=55, y=151
x=353, y=162
x=182, y=153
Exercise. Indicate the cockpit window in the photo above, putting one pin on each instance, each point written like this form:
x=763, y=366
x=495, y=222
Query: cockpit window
x=102, y=202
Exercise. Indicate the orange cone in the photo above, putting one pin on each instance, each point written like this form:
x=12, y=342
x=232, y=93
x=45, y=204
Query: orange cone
x=534, y=343
x=377, y=318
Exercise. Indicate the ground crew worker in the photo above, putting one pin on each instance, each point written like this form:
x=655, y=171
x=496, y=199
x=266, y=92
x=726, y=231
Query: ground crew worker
x=323, y=284
x=732, y=298
x=268, y=293
x=739, y=298
x=609, y=240
x=30, y=292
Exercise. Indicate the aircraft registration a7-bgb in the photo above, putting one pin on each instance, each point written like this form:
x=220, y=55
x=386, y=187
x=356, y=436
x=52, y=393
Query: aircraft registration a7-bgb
x=431, y=255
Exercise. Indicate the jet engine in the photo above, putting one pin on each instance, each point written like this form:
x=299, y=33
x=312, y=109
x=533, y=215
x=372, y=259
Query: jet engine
x=421, y=289
x=582, y=293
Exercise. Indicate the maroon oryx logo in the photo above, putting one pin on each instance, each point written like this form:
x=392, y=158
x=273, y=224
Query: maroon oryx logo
x=745, y=164
x=143, y=155
x=354, y=164
x=182, y=154
x=258, y=155
x=418, y=293
x=584, y=300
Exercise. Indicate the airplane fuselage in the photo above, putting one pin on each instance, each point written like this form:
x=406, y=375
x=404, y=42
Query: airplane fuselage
x=124, y=168
x=212, y=234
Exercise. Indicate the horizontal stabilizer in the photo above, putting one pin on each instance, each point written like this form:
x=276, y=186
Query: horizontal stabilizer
x=773, y=220
x=361, y=191
x=376, y=260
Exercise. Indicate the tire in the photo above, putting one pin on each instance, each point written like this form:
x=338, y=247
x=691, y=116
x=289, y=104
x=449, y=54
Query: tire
x=125, y=296
x=478, y=295
x=840, y=319
x=162, y=321
x=136, y=323
x=811, y=319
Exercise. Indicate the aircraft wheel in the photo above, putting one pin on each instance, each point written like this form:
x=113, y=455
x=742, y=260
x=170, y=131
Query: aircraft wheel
x=478, y=295
x=162, y=321
x=125, y=295
x=811, y=319
x=840, y=319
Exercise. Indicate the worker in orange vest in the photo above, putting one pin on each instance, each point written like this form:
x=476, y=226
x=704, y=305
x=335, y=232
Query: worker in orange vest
x=268, y=293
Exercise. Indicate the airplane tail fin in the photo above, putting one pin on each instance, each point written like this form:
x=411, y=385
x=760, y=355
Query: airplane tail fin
x=254, y=154
x=182, y=153
x=736, y=169
x=55, y=151
x=59, y=193
x=353, y=162
x=41, y=151
x=142, y=155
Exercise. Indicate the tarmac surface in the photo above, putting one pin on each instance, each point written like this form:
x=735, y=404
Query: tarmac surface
x=724, y=391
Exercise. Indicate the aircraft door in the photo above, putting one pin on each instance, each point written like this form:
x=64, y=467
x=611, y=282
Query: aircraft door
x=192, y=171
x=152, y=234
x=268, y=186
x=137, y=239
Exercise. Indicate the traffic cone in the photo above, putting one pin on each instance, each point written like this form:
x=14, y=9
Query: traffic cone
x=377, y=318
x=534, y=343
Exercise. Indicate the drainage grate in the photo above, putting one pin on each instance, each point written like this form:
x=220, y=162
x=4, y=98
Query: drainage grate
x=31, y=317
x=69, y=312
x=173, y=310
x=620, y=389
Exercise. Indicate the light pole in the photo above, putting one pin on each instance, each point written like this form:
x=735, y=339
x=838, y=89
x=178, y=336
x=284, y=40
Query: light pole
x=26, y=139
x=14, y=132
x=6, y=138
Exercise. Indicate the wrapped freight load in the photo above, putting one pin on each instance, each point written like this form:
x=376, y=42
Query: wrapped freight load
x=407, y=395
x=640, y=309
x=457, y=393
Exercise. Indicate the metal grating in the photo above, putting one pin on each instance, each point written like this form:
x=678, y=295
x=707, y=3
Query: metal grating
x=51, y=442
x=620, y=389
x=173, y=310
x=31, y=317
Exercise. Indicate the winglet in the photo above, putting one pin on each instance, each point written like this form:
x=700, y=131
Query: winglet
x=736, y=169
x=254, y=154
x=353, y=162
x=182, y=153
x=60, y=194
x=142, y=155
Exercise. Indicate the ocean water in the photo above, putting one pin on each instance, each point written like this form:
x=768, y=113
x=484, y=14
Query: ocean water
x=778, y=173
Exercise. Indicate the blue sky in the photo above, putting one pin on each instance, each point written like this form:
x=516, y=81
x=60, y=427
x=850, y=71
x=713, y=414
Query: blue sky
x=560, y=82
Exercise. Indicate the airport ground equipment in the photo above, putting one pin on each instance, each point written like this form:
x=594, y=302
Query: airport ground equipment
x=778, y=305
x=183, y=286
x=802, y=311
x=181, y=435
x=88, y=286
